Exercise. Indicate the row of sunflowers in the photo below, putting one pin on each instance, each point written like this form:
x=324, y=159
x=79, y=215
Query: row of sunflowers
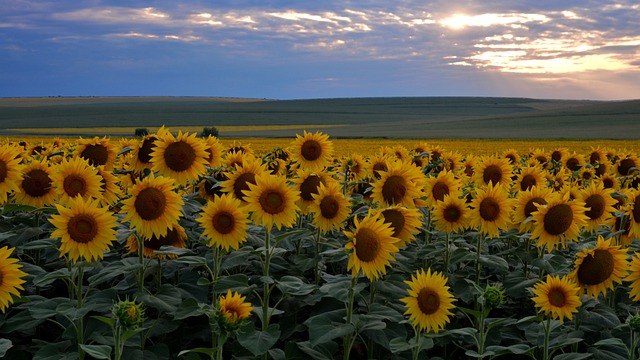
x=174, y=246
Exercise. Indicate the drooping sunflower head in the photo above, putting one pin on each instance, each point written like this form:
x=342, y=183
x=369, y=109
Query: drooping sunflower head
x=97, y=151
x=512, y=155
x=182, y=158
x=399, y=185
x=540, y=157
x=627, y=166
x=491, y=210
x=354, y=166
x=214, y=151
x=574, y=162
x=10, y=171
x=272, y=202
x=451, y=215
x=493, y=170
x=559, y=155
x=526, y=203
x=141, y=153
x=405, y=222
x=312, y=151
x=557, y=296
x=240, y=177
x=86, y=230
x=437, y=187
x=429, y=303
x=373, y=247
x=36, y=186
x=11, y=278
x=599, y=267
x=225, y=222
x=633, y=213
x=378, y=164
x=609, y=181
x=176, y=237
x=109, y=190
x=239, y=148
x=234, y=308
x=558, y=221
x=75, y=177
x=307, y=182
x=330, y=208
x=211, y=185
x=634, y=277
x=529, y=177
x=153, y=207
x=599, y=202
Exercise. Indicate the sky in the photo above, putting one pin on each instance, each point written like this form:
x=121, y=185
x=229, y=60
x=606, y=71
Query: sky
x=285, y=49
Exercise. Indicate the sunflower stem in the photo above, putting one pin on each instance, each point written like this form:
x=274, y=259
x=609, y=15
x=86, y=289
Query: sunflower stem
x=316, y=259
x=547, y=330
x=416, y=350
x=446, y=253
x=159, y=275
x=478, y=253
x=80, y=303
x=141, y=258
x=349, y=339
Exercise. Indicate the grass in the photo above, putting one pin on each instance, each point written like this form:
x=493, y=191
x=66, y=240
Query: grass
x=416, y=118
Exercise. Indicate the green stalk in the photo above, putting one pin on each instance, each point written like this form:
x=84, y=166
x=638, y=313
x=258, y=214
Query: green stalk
x=141, y=258
x=547, y=330
x=80, y=303
x=267, y=288
x=349, y=339
x=317, y=257
x=446, y=253
x=478, y=253
x=417, y=348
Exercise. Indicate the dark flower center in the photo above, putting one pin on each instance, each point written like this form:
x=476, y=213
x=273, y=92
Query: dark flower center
x=75, y=185
x=489, y=209
x=597, y=204
x=150, y=203
x=144, y=153
x=625, y=166
x=394, y=189
x=82, y=228
x=452, y=213
x=530, y=206
x=557, y=297
x=428, y=301
x=439, y=190
x=95, y=154
x=395, y=219
x=367, y=245
x=558, y=219
x=528, y=181
x=329, y=207
x=155, y=243
x=309, y=187
x=242, y=183
x=596, y=268
x=492, y=173
x=3, y=170
x=272, y=202
x=311, y=150
x=223, y=222
x=36, y=183
x=179, y=156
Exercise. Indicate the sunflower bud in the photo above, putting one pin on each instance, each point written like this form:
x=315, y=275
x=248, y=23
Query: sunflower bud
x=493, y=296
x=128, y=313
x=634, y=322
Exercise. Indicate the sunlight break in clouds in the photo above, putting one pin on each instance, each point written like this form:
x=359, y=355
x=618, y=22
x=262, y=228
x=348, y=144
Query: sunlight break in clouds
x=488, y=20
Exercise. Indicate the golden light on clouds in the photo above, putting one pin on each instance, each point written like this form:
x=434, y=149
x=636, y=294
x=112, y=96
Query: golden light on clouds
x=487, y=20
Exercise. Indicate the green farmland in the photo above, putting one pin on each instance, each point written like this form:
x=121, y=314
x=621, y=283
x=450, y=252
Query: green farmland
x=413, y=117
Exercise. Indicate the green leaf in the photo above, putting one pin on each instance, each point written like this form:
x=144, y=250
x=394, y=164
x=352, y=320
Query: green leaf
x=47, y=308
x=322, y=329
x=129, y=333
x=172, y=250
x=611, y=341
x=39, y=244
x=97, y=351
x=48, y=278
x=188, y=308
x=235, y=282
x=166, y=299
x=107, y=320
x=294, y=286
x=5, y=344
x=495, y=262
x=192, y=260
x=398, y=345
x=256, y=341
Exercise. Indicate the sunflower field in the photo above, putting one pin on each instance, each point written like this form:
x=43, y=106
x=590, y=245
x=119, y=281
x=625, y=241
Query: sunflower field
x=172, y=246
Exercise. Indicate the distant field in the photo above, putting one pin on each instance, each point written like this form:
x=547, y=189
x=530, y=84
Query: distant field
x=403, y=118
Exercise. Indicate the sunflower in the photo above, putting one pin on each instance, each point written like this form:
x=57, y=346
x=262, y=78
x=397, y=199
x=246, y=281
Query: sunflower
x=600, y=203
x=597, y=156
x=602, y=169
x=525, y=205
x=96, y=151
x=511, y=155
x=528, y=177
x=559, y=155
x=183, y=158
x=634, y=214
x=586, y=174
x=330, y=208
x=10, y=171
x=627, y=166
x=437, y=187
x=234, y=159
x=492, y=170
x=558, y=221
x=141, y=153
x=574, y=162
x=491, y=210
x=210, y=186
x=307, y=183
x=377, y=164
x=634, y=277
x=468, y=166
x=153, y=207
x=271, y=202
x=175, y=237
x=355, y=167
x=233, y=307
x=609, y=181
x=404, y=222
x=451, y=160
x=86, y=230
x=558, y=296
x=11, y=278
x=539, y=156
x=243, y=175
x=239, y=148
x=429, y=303
x=598, y=268
x=225, y=222
x=451, y=215
x=312, y=151
x=214, y=151
x=36, y=186
x=75, y=177
x=373, y=247
x=398, y=186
